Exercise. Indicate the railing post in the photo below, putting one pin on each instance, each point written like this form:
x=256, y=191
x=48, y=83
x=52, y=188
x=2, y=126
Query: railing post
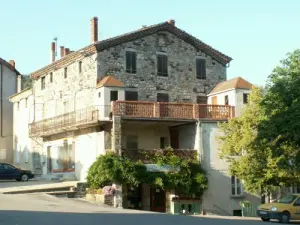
x=157, y=109
x=195, y=111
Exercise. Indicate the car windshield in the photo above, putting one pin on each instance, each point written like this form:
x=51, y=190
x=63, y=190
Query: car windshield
x=287, y=199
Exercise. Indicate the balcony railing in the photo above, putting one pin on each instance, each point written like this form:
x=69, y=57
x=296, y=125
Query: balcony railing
x=143, y=155
x=69, y=121
x=137, y=109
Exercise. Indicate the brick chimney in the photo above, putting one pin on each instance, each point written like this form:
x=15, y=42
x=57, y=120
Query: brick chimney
x=172, y=22
x=94, y=29
x=12, y=63
x=62, y=51
x=67, y=51
x=52, y=52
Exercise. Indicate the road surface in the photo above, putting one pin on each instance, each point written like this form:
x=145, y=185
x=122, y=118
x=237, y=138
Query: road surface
x=37, y=209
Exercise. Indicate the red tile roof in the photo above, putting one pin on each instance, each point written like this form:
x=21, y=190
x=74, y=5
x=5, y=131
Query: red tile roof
x=9, y=66
x=145, y=31
x=235, y=83
x=110, y=81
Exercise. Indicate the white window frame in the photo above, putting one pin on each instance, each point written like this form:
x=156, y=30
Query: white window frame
x=235, y=186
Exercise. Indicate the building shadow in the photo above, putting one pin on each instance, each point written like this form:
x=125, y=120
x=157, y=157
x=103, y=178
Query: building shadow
x=12, y=217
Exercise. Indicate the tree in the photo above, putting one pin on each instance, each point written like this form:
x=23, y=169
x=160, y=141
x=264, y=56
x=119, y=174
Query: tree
x=282, y=128
x=249, y=160
x=27, y=81
x=265, y=138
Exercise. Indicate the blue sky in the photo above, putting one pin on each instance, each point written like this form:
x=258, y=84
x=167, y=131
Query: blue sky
x=256, y=34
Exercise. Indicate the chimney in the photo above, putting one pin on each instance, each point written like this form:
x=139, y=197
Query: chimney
x=52, y=52
x=19, y=83
x=62, y=51
x=12, y=63
x=67, y=51
x=172, y=22
x=94, y=29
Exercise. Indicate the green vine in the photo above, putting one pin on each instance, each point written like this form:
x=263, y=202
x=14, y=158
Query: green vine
x=185, y=176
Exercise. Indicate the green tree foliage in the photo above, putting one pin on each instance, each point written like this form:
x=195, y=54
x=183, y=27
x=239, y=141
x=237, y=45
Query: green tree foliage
x=262, y=145
x=27, y=81
x=248, y=160
x=282, y=128
x=185, y=176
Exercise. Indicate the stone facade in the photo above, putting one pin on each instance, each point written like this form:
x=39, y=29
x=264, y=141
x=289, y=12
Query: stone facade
x=181, y=83
x=64, y=94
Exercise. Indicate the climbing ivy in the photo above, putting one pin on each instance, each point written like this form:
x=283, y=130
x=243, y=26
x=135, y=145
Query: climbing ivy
x=185, y=176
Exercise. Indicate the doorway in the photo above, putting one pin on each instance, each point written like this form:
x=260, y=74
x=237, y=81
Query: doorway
x=158, y=200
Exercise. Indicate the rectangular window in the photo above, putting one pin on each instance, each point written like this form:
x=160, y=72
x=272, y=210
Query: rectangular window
x=66, y=107
x=66, y=73
x=226, y=100
x=162, y=65
x=43, y=83
x=132, y=142
x=245, y=98
x=18, y=106
x=201, y=100
x=131, y=95
x=51, y=77
x=80, y=66
x=162, y=97
x=200, y=69
x=26, y=102
x=130, y=62
x=113, y=95
x=236, y=186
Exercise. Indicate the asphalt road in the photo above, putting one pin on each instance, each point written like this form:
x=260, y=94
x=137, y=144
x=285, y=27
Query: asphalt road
x=37, y=209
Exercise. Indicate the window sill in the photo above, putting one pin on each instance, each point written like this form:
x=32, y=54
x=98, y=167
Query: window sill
x=237, y=196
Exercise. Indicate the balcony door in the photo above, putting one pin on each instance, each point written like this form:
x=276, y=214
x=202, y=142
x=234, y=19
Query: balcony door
x=163, y=108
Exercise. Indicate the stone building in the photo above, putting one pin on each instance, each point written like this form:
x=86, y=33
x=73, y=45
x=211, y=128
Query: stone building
x=144, y=90
x=10, y=81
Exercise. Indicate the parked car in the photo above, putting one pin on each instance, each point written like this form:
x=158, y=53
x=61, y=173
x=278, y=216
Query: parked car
x=10, y=172
x=283, y=209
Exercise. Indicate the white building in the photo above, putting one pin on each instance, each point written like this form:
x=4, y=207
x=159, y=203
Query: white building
x=24, y=156
x=232, y=92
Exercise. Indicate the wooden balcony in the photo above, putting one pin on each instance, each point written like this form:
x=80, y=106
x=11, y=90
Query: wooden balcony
x=143, y=155
x=167, y=110
x=70, y=121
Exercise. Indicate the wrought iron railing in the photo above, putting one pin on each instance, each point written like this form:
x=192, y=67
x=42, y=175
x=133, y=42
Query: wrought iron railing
x=143, y=155
x=69, y=121
x=139, y=109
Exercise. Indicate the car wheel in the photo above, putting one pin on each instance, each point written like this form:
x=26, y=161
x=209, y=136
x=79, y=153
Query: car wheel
x=284, y=218
x=24, y=177
x=265, y=219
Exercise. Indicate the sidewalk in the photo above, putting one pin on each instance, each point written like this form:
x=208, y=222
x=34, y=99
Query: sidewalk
x=13, y=187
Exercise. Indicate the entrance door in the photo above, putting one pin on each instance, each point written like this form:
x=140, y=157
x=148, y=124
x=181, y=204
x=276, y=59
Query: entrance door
x=158, y=200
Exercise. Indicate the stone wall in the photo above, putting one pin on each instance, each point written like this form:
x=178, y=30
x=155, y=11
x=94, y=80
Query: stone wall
x=77, y=90
x=181, y=83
